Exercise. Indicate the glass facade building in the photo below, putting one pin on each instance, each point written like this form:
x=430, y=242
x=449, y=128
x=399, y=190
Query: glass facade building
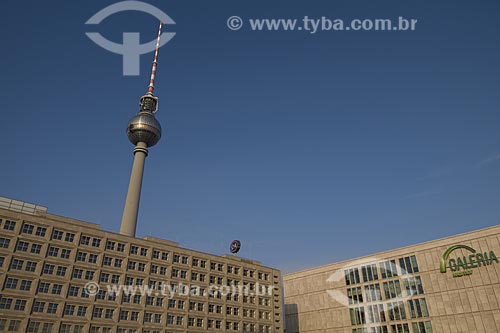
x=447, y=285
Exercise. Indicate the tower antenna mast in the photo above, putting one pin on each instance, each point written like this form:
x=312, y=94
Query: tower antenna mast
x=151, y=86
x=143, y=131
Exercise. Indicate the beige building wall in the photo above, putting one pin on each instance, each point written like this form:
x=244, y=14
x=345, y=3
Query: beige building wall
x=316, y=300
x=46, y=261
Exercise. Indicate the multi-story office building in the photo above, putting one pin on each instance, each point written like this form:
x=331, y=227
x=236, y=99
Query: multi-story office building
x=50, y=267
x=447, y=285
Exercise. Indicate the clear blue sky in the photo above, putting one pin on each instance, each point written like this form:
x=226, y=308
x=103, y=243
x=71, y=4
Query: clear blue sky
x=308, y=148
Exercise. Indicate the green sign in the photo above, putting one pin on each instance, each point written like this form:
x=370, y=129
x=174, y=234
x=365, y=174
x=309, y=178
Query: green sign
x=461, y=266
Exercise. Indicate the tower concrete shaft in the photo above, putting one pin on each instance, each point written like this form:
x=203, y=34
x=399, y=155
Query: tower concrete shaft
x=131, y=210
x=143, y=131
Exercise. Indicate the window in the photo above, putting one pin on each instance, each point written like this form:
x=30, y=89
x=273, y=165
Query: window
x=422, y=327
x=413, y=286
x=14, y=326
x=396, y=311
x=110, y=245
x=22, y=246
x=57, y=234
x=97, y=312
x=56, y=289
x=120, y=247
x=11, y=283
x=65, y=253
x=369, y=273
x=61, y=271
x=36, y=248
x=20, y=305
x=77, y=273
x=27, y=229
x=30, y=266
x=96, y=242
x=156, y=254
x=134, y=249
x=144, y=252
x=25, y=285
x=392, y=289
x=41, y=231
x=115, y=278
x=52, y=308
x=73, y=291
x=38, y=306
x=118, y=262
x=106, y=261
x=81, y=256
x=5, y=303
x=418, y=308
x=43, y=287
x=16, y=264
x=92, y=258
x=69, y=310
x=82, y=311
x=351, y=276
x=4, y=243
x=355, y=295
x=109, y=313
x=123, y=315
x=70, y=237
x=388, y=269
x=89, y=275
x=84, y=240
x=357, y=316
x=53, y=251
x=408, y=265
x=9, y=225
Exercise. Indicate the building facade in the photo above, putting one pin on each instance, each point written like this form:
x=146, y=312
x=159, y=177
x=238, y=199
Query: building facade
x=448, y=285
x=55, y=273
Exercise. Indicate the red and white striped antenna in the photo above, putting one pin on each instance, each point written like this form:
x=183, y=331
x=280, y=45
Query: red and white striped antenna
x=151, y=86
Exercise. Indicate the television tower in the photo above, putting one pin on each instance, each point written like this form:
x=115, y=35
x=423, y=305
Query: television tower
x=143, y=131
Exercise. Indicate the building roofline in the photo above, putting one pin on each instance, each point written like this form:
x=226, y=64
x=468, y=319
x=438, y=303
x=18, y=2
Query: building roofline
x=152, y=239
x=291, y=274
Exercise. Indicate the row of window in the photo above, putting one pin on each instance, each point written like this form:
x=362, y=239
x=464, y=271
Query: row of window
x=388, y=269
x=392, y=289
x=418, y=327
x=64, y=253
x=31, y=229
x=396, y=311
x=47, y=327
x=117, y=262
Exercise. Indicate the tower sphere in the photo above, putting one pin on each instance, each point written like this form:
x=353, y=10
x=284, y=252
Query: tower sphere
x=143, y=127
